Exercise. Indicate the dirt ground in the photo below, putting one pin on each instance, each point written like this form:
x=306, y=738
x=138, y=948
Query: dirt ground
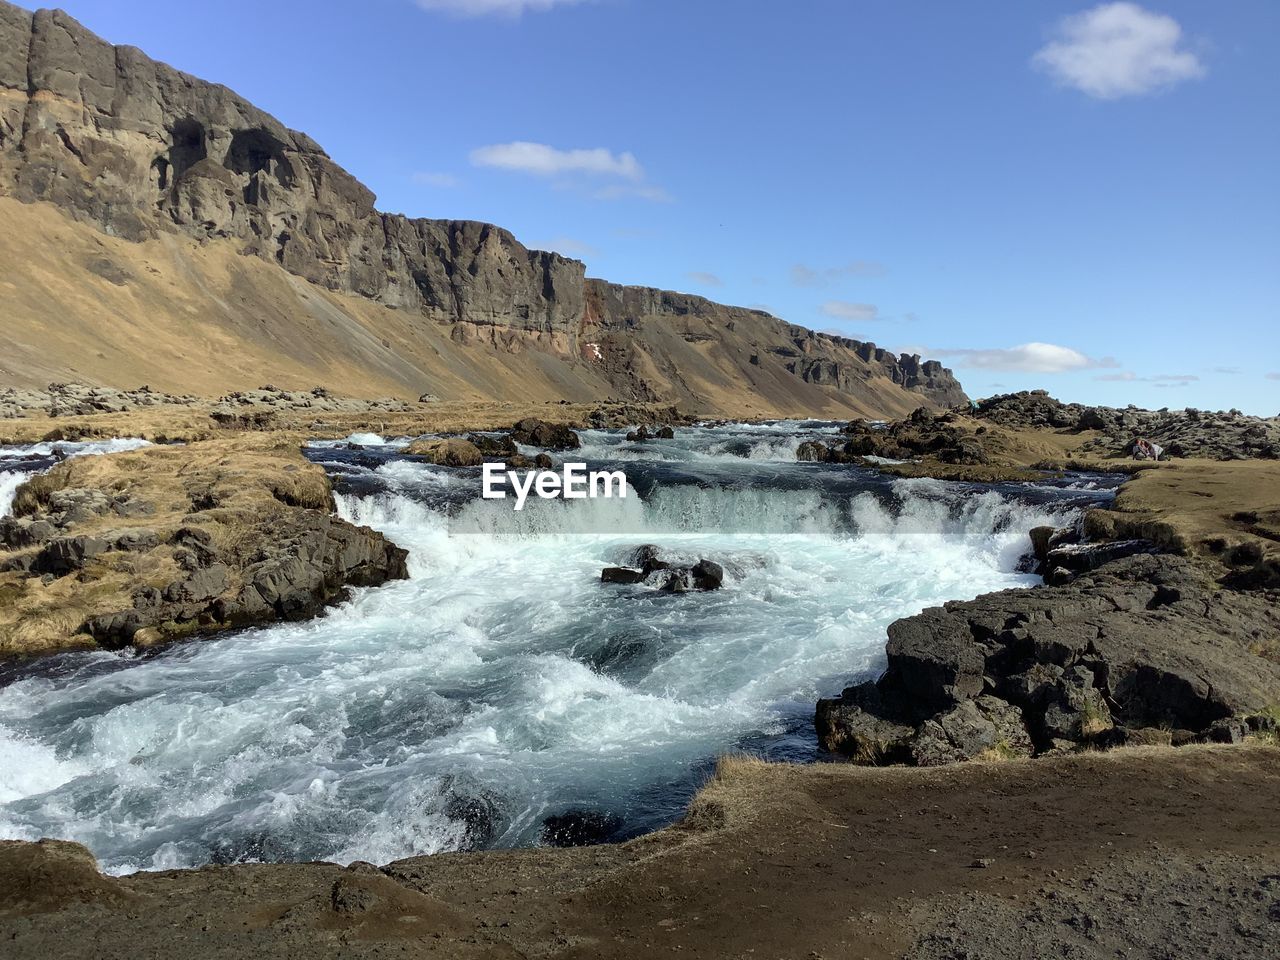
x=1139, y=853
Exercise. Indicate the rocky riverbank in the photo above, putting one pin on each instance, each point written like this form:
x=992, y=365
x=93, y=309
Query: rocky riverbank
x=1160, y=625
x=1202, y=434
x=146, y=546
x=994, y=860
x=1140, y=650
x=221, y=523
x=1155, y=648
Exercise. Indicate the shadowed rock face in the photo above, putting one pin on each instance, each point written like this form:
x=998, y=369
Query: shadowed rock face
x=1140, y=648
x=138, y=148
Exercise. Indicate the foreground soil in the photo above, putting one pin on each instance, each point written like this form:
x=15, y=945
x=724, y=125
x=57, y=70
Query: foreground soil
x=1121, y=854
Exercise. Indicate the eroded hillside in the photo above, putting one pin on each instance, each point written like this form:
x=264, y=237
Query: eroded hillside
x=162, y=229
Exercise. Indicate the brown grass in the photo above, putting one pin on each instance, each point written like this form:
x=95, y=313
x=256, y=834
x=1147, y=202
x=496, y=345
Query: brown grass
x=233, y=488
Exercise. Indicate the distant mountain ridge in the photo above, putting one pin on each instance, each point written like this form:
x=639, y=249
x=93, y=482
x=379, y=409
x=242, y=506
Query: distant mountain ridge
x=146, y=154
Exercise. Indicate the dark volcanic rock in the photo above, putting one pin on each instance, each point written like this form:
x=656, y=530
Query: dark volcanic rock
x=66, y=554
x=859, y=724
x=1081, y=557
x=706, y=575
x=922, y=434
x=813, y=452
x=669, y=576
x=551, y=436
x=621, y=575
x=974, y=728
x=1141, y=642
x=503, y=446
x=1223, y=435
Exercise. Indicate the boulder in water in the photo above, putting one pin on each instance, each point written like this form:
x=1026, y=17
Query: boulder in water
x=452, y=452
x=621, y=575
x=707, y=575
x=502, y=446
x=549, y=436
x=811, y=451
x=645, y=564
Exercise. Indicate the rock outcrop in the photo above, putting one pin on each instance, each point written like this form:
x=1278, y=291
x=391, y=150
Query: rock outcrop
x=140, y=150
x=1221, y=435
x=1138, y=646
x=924, y=433
x=156, y=544
x=138, y=147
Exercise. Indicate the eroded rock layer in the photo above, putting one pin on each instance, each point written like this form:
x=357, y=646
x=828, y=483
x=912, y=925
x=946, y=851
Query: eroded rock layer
x=140, y=151
x=1141, y=650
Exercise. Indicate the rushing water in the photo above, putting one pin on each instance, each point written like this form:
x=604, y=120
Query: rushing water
x=503, y=683
x=18, y=463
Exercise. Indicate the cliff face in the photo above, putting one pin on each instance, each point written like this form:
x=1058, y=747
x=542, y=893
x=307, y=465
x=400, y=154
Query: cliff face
x=142, y=151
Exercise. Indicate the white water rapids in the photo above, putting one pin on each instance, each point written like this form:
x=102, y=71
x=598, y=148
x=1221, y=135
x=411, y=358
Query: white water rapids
x=503, y=683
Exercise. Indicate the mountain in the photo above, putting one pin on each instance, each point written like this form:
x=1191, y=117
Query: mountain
x=155, y=227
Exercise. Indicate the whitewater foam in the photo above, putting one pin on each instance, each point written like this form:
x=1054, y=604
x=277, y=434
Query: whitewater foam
x=502, y=682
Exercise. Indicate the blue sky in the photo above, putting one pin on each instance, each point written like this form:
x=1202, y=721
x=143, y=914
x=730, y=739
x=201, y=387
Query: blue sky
x=1077, y=196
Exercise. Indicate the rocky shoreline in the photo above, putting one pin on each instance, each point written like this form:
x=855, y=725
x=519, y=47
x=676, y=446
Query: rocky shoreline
x=1159, y=647
x=1141, y=650
x=1151, y=628
x=151, y=545
x=221, y=523
x=995, y=860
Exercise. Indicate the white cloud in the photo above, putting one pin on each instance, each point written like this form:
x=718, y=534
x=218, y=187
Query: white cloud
x=1165, y=379
x=578, y=170
x=481, y=8
x=1273, y=376
x=844, y=310
x=805, y=276
x=704, y=279
x=568, y=247
x=642, y=191
x=1118, y=50
x=544, y=161
x=1027, y=358
x=444, y=181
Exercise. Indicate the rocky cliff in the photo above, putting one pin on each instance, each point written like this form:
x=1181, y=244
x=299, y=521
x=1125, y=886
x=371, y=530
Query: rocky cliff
x=142, y=152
